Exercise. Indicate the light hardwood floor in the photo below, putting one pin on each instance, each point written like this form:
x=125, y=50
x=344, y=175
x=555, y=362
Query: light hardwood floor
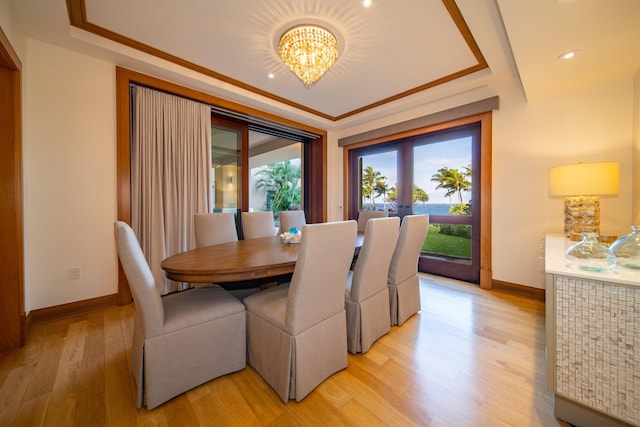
x=469, y=358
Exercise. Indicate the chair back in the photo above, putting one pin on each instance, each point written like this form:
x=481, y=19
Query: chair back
x=404, y=263
x=372, y=267
x=364, y=216
x=317, y=287
x=214, y=228
x=289, y=219
x=147, y=298
x=258, y=224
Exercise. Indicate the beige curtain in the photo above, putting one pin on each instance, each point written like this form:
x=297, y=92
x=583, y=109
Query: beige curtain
x=170, y=174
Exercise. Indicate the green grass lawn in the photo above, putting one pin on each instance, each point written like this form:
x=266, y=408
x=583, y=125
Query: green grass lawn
x=442, y=244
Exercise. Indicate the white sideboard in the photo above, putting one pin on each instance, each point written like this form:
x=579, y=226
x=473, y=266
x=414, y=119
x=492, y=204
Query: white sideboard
x=593, y=341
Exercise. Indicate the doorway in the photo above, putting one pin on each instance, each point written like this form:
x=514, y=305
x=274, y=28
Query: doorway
x=438, y=172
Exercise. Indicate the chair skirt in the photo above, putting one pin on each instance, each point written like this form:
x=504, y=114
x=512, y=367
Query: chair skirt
x=290, y=363
x=168, y=370
x=367, y=321
x=404, y=300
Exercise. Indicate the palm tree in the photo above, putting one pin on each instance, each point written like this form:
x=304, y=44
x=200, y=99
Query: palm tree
x=381, y=188
x=419, y=195
x=282, y=180
x=442, y=178
x=458, y=182
x=392, y=196
x=453, y=181
x=369, y=179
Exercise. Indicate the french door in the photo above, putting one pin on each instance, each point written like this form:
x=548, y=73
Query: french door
x=432, y=173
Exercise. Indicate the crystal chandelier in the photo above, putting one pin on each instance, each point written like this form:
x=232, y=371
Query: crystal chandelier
x=309, y=51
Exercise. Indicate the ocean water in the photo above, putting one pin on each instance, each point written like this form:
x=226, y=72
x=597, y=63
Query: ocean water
x=428, y=208
x=431, y=208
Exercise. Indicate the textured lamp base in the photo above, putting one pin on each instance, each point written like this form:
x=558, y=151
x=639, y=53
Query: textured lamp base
x=581, y=215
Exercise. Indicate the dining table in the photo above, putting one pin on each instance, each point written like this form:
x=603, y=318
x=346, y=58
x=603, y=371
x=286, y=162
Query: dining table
x=237, y=261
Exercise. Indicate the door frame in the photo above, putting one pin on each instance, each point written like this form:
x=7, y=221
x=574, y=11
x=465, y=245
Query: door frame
x=485, y=119
x=12, y=314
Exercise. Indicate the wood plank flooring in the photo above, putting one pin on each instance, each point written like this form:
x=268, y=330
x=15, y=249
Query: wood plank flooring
x=469, y=358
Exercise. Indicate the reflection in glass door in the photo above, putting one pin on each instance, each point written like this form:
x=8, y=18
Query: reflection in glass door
x=225, y=165
x=227, y=174
x=428, y=174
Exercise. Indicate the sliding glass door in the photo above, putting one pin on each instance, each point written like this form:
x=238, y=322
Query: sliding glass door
x=276, y=174
x=228, y=141
x=428, y=174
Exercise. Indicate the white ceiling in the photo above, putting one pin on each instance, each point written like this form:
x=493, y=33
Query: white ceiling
x=394, y=55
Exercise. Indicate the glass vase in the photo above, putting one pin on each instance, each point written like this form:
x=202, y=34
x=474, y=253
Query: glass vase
x=627, y=249
x=590, y=255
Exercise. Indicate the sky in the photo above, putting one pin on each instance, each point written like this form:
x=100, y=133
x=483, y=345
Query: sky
x=428, y=159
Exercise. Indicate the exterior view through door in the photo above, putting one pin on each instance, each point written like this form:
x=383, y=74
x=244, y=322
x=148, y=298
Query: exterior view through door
x=428, y=174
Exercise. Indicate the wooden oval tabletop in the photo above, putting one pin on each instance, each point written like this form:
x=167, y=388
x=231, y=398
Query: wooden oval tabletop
x=234, y=261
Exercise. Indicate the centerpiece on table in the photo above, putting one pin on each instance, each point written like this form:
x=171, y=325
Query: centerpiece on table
x=291, y=236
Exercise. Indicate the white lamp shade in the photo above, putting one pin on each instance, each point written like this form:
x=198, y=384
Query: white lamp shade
x=585, y=179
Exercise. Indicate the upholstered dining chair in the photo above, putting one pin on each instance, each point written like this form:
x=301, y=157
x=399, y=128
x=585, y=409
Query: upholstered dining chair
x=404, y=286
x=364, y=216
x=289, y=219
x=367, y=296
x=214, y=228
x=258, y=224
x=181, y=340
x=217, y=228
x=296, y=333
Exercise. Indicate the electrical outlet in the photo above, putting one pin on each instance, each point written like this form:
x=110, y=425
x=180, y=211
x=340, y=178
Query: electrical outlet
x=75, y=273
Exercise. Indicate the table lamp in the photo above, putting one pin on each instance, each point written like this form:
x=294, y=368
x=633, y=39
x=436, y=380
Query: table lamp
x=581, y=185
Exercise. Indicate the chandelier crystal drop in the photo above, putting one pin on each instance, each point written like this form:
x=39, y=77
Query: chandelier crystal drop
x=309, y=51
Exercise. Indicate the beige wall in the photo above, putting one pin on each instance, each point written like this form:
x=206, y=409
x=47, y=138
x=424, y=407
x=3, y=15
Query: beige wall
x=12, y=31
x=70, y=176
x=70, y=183
x=529, y=138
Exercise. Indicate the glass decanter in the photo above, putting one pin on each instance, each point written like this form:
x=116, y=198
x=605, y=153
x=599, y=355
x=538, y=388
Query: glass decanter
x=627, y=249
x=590, y=255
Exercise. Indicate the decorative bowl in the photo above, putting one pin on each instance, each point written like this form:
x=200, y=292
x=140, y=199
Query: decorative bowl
x=291, y=237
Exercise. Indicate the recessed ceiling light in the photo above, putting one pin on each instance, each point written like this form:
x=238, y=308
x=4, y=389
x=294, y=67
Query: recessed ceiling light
x=367, y=3
x=569, y=55
x=271, y=76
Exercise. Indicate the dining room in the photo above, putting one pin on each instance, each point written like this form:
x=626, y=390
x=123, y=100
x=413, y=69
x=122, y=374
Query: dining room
x=68, y=178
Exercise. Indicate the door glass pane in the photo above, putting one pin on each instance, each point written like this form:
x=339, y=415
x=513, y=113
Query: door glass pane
x=442, y=187
x=442, y=178
x=275, y=177
x=378, y=181
x=225, y=169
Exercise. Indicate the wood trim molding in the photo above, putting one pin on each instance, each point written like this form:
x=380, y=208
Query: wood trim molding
x=523, y=291
x=71, y=309
x=12, y=303
x=486, y=198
